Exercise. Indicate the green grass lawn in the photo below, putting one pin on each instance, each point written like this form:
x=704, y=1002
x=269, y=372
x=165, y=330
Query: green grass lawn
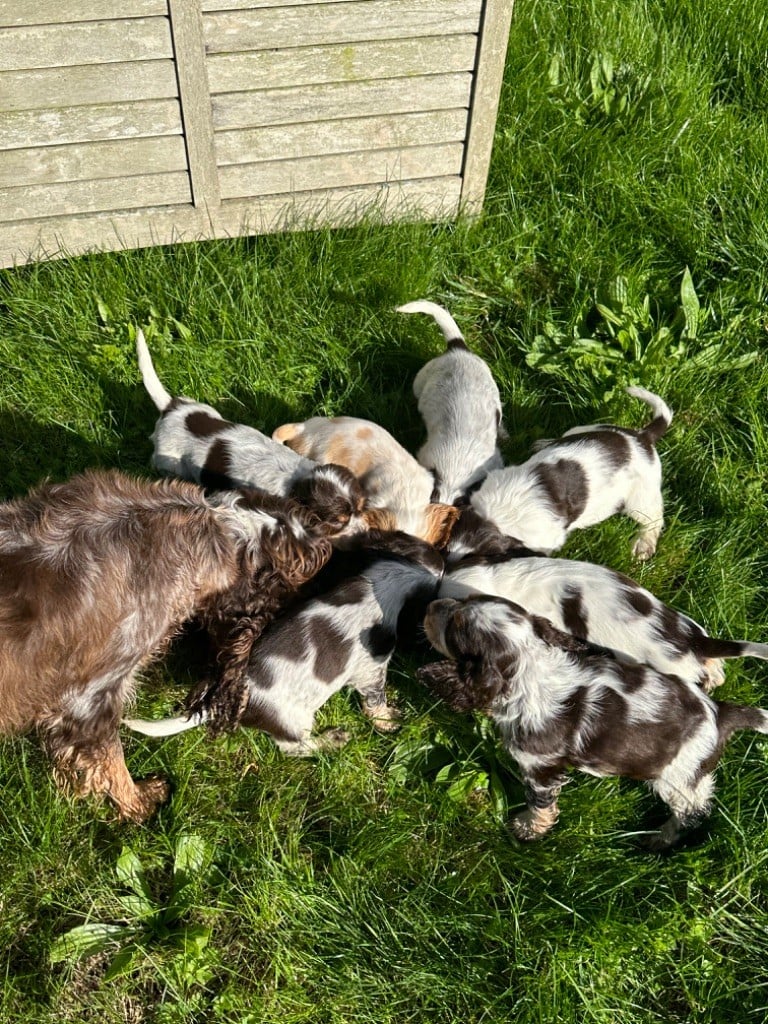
x=380, y=884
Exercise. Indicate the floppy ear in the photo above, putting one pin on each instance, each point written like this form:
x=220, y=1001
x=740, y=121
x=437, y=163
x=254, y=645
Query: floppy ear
x=555, y=637
x=470, y=685
x=292, y=436
x=440, y=521
x=379, y=519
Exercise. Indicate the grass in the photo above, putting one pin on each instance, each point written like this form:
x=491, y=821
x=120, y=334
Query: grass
x=367, y=887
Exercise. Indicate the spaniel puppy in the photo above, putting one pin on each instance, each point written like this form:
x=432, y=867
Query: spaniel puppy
x=579, y=480
x=393, y=480
x=461, y=408
x=559, y=703
x=344, y=636
x=605, y=608
x=194, y=442
x=97, y=574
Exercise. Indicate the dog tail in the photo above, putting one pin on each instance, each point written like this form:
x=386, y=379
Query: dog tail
x=662, y=414
x=453, y=336
x=165, y=726
x=155, y=389
x=732, y=717
x=712, y=647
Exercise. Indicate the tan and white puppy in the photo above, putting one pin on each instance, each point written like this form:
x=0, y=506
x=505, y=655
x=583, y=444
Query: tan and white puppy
x=392, y=479
x=461, y=407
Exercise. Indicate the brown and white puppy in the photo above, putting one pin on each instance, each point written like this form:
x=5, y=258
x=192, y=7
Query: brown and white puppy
x=461, y=407
x=98, y=573
x=560, y=703
x=603, y=607
x=587, y=475
x=342, y=637
x=393, y=480
x=194, y=442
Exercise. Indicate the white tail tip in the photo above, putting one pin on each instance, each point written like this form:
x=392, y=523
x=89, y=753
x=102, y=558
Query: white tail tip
x=165, y=726
x=155, y=389
x=658, y=405
x=442, y=317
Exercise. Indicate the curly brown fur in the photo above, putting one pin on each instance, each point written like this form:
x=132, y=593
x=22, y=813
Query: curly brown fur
x=96, y=575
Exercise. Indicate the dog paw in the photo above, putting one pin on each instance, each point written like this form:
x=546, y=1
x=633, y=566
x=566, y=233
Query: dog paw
x=643, y=549
x=383, y=717
x=333, y=739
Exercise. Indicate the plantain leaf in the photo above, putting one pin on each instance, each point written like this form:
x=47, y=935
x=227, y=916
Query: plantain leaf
x=87, y=940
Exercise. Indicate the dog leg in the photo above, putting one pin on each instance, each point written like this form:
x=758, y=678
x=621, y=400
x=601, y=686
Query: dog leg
x=647, y=509
x=383, y=716
x=541, y=793
x=308, y=745
x=689, y=807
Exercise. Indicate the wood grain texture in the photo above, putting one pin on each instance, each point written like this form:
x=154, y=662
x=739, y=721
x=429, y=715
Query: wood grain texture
x=353, y=22
x=350, y=99
x=91, y=161
x=358, y=62
x=340, y=170
x=349, y=135
x=187, y=30
x=91, y=42
x=497, y=17
x=47, y=12
x=46, y=88
x=141, y=190
x=434, y=199
x=29, y=128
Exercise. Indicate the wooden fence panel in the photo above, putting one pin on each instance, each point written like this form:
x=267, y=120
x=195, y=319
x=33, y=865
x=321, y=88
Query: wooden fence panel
x=166, y=120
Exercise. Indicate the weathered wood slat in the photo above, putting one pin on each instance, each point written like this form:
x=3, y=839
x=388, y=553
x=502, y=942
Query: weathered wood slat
x=339, y=170
x=91, y=160
x=311, y=25
x=92, y=42
x=430, y=199
x=309, y=65
x=29, y=128
x=92, y=196
x=60, y=12
x=187, y=32
x=497, y=16
x=68, y=87
x=209, y=6
x=347, y=136
x=353, y=99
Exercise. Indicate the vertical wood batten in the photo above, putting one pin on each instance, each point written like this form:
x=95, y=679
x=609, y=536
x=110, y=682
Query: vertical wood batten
x=484, y=104
x=195, y=96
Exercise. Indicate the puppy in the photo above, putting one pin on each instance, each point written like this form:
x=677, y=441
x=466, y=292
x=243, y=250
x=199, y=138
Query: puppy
x=344, y=636
x=559, y=703
x=194, y=442
x=605, y=608
x=461, y=407
x=579, y=480
x=393, y=480
x=97, y=574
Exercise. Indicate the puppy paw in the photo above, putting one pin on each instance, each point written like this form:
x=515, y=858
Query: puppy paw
x=643, y=549
x=383, y=717
x=333, y=739
x=712, y=675
x=533, y=823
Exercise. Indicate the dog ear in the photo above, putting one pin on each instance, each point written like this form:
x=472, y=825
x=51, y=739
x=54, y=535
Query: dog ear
x=554, y=637
x=440, y=522
x=469, y=685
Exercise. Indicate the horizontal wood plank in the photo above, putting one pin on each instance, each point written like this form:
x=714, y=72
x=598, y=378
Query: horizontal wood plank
x=309, y=65
x=352, y=22
x=209, y=6
x=31, y=128
x=92, y=161
x=430, y=199
x=339, y=100
x=339, y=170
x=44, y=88
x=92, y=42
x=48, y=12
x=349, y=135
x=93, y=196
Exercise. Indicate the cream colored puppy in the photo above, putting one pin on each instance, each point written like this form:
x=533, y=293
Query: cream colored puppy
x=393, y=480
